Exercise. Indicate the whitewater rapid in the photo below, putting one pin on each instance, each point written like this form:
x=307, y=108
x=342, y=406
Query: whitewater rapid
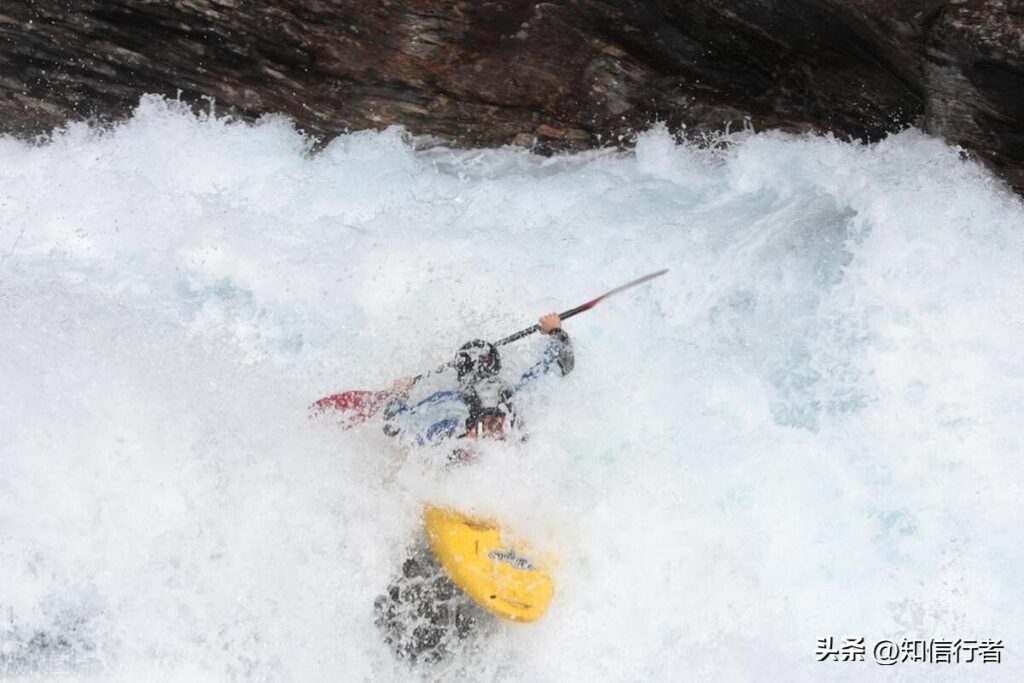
x=810, y=427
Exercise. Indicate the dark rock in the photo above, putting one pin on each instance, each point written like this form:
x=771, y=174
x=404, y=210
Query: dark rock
x=553, y=75
x=424, y=617
x=975, y=74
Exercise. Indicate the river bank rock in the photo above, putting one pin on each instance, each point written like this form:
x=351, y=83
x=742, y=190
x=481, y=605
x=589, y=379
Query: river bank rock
x=551, y=75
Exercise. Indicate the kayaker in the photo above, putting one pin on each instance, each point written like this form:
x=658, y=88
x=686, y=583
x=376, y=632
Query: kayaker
x=481, y=405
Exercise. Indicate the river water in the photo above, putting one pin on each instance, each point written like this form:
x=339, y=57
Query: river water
x=809, y=428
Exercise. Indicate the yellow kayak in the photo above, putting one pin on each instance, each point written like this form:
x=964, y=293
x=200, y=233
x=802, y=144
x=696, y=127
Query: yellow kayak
x=505, y=579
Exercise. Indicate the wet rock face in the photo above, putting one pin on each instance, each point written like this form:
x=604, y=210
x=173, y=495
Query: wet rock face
x=974, y=69
x=564, y=74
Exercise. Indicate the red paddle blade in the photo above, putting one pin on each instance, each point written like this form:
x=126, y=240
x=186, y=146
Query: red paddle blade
x=353, y=407
x=640, y=280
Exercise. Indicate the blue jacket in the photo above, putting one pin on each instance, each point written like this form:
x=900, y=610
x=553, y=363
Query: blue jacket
x=443, y=414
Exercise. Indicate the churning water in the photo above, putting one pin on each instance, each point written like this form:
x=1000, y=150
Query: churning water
x=810, y=428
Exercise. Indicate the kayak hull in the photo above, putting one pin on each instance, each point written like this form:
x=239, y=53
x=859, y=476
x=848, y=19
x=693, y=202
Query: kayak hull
x=506, y=579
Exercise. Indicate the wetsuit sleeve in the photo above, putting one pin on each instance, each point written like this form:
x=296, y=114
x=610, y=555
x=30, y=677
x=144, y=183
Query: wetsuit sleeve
x=560, y=346
x=557, y=354
x=399, y=407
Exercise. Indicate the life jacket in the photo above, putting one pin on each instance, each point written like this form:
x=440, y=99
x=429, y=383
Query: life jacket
x=491, y=414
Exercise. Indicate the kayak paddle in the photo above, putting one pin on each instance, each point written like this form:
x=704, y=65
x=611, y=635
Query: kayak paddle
x=359, y=406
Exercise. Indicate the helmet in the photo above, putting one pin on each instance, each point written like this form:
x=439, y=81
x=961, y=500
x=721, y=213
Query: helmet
x=476, y=360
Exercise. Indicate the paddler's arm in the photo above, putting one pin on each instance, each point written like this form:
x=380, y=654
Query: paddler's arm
x=399, y=405
x=560, y=346
x=558, y=352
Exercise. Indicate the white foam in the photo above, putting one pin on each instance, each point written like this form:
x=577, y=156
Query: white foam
x=809, y=427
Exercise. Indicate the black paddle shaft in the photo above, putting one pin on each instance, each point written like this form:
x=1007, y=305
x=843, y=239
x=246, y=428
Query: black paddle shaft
x=535, y=328
x=564, y=316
